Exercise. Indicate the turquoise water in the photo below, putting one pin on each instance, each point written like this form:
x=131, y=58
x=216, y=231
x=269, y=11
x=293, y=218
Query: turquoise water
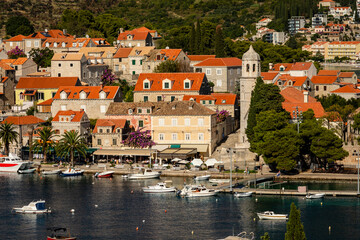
x=166, y=216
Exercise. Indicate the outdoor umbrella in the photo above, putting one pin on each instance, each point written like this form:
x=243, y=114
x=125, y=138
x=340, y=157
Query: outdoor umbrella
x=197, y=162
x=183, y=162
x=211, y=162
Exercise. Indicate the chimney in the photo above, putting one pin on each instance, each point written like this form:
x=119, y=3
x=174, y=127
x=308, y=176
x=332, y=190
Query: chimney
x=64, y=31
x=46, y=30
x=306, y=96
x=121, y=30
x=81, y=109
x=270, y=66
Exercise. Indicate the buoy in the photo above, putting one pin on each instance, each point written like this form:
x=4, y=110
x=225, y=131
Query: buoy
x=165, y=211
x=137, y=228
x=132, y=192
x=216, y=200
x=72, y=210
x=321, y=203
x=96, y=205
x=143, y=221
x=256, y=199
x=93, y=183
x=254, y=219
x=192, y=232
x=329, y=228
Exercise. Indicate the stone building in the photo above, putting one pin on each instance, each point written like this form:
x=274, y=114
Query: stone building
x=23, y=66
x=109, y=133
x=7, y=85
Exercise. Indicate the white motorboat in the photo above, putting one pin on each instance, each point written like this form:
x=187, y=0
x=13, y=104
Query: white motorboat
x=315, y=196
x=13, y=163
x=25, y=171
x=145, y=174
x=243, y=194
x=33, y=207
x=159, y=188
x=215, y=180
x=198, y=191
x=105, y=174
x=70, y=172
x=52, y=172
x=269, y=215
x=202, y=178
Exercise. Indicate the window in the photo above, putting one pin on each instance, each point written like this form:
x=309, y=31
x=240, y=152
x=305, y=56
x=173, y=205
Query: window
x=71, y=65
x=324, y=88
x=116, y=68
x=114, y=142
x=128, y=122
x=159, y=98
x=16, y=68
x=21, y=96
x=99, y=142
x=166, y=85
x=139, y=110
x=102, y=108
x=210, y=102
x=59, y=65
x=141, y=123
x=174, y=136
x=317, y=88
x=161, y=136
x=187, y=136
x=59, y=74
x=28, y=44
x=187, y=121
x=238, y=70
x=254, y=67
x=146, y=98
x=218, y=71
x=40, y=95
x=102, y=95
x=63, y=107
x=36, y=44
x=161, y=121
x=133, y=62
x=174, y=122
x=107, y=130
x=248, y=68
x=203, y=102
x=201, y=136
x=101, y=131
x=208, y=71
x=218, y=83
x=148, y=110
x=172, y=98
x=133, y=72
x=200, y=122
x=11, y=44
x=141, y=62
x=118, y=130
x=146, y=85
x=187, y=85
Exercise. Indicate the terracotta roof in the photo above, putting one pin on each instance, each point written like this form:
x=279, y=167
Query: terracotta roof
x=177, y=79
x=324, y=79
x=347, y=89
x=91, y=91
x=46, y=103
x=141, y=51
x=199, y=58
x=122, y=53
x=55, y=33
x=5, y=66
x=46, y=82
x=344, y=43
x=23, y=120
x=300, y=66
x=67, y=57
x=20, y=61
x=17, y=38
x=264, y=19
x=219, y=98
x=171, y=54
x=341, y=8
x=4, y=79
x=277, y=66
x=77, y=115
x=293, y=95
x=103, y=51
x=136, y=35
x=183, y=108
x=122, y=108
x=295, y=81
x=228, y=62
x=9, y=61
x=327, y=1
x=67, y=42
x=328, y=73
x=268, y=75
x=114, y=123
x=346, y=74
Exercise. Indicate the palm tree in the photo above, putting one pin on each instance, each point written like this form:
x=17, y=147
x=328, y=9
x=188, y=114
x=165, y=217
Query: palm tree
x=45, y=142
x=69, y=143
x=8, y=135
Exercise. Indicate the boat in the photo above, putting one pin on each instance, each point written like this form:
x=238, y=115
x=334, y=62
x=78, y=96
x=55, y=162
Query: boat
x=59, y=233
x=197, y=191
x=33, y=207
x=243, y=194
x=202, y=178
x=159, y=188
x=25, y=171
x=145, y=174
x=13, y=163
x=215, y=180
x=269, y=215
x=315, y=196
x=105, y=174
x=52, y=172
x=70, y=172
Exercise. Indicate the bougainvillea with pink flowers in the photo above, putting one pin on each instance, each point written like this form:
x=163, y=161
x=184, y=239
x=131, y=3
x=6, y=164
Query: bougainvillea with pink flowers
x=16, y=53
x=139, y=139
x=222, y=115
x=108, y=78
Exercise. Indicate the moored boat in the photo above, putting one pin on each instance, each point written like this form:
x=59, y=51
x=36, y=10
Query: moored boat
x=72, y=172
x=159, y=188
x=215, y=180
x=59, y=233
x=145, y=174
x=202, y=178
x=33, y=207
x=243, y=194
x=269, y=215
x=315, y=196
x=197, y=191
x=105, y=174
x=12, y=163
x=26, y=171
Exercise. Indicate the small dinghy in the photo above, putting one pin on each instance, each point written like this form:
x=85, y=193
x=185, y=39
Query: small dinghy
x=53, y=172
x=33, y=207
x=72, y=172
x=202, y=178
x=59, y=233
x=26, y=171
x=106, y=174
x=315, y=196
x=269, y=215
x=243, y=194
x=159, y=188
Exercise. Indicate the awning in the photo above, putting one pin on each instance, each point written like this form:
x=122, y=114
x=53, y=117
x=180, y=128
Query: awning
x=159, y=147
x=29, y=92
x=122, y=152
x=182, y=153
x=200, y=148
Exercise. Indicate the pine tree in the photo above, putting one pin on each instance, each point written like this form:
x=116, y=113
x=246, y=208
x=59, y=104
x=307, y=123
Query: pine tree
x=198, y=38
x=192, y=39
x=219, y=43
x=294, y=227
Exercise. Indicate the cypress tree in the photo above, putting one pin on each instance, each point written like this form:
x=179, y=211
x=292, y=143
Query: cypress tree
x=219, y=42
x=192, y=39
x=294, y=227
x=198, y=38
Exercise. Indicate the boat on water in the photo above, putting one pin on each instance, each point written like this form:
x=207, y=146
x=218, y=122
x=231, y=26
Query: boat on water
x=197, y=191
x=315, y=196
x=26, y=171
x=269, y=215
x=13, y=163
x=243, y=194
x=159, y=188
x=105, y=174
x=215, y=180
x=70, y=172
x=145, y=174
x=59, y=233
x=202, y=178
x=52, y=172
x=33, y=207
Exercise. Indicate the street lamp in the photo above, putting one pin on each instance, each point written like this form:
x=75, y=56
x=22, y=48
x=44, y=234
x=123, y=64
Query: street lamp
x=356, y=153
x=230, y=150
x=297, y=117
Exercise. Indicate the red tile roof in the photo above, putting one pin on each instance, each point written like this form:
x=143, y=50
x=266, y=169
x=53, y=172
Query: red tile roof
x=264, y=19
x=219, y=98
x=346, y=74
x=344, y=43
x=347, y=89
x=296, y=81
x=17, y=38
x=328, y=73
x=199, y=58
x=136, y=35
x=228, y=62
x=293, y=95
x=4, y=79
x=268, y=75
x=171, y=54
x=115, y=123
x=277, y=66
x=324, y=79
x=46, y=103
x=46, y=82
x=301, y=66
x=92, y=91
x=55, y=33
x=122, y=53
x=77, y=115
x=176, y=78
x=23, y=120
x=20, y=61
x=5, y=66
